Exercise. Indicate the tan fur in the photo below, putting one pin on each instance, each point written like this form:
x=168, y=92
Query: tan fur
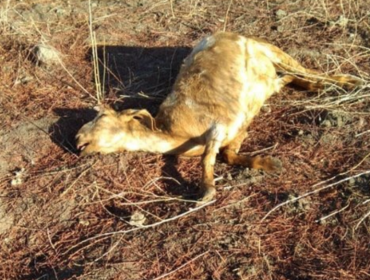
x=221, y=86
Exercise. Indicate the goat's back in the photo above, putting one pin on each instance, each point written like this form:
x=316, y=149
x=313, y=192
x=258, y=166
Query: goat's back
x=225, y=80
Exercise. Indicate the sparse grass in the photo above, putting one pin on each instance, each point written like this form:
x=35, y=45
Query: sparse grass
x=70, y=217
x=95, y=59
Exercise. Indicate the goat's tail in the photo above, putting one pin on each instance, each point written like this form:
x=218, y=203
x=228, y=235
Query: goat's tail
x=303, y=77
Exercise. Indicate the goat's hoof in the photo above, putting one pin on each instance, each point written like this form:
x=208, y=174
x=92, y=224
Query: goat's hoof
x=208, y=193
x=271, y=164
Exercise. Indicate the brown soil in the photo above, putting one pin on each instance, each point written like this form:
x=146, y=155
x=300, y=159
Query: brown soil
x=66, y=217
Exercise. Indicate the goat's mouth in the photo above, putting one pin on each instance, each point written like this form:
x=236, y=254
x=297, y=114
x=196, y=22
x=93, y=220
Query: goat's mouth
x=80, y=143
x=82, y=146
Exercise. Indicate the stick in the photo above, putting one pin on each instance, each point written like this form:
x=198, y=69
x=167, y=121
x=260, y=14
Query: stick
x=181, y=266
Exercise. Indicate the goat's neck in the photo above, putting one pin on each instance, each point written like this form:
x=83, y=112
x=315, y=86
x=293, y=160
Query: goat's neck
x=162, y=142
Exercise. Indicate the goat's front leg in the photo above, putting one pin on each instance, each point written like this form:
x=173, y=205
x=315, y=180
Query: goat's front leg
x=208, y=161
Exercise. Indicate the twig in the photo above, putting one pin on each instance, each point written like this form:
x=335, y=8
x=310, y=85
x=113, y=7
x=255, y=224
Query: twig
x=75, y=181
x=362, y=133
x=366, y=201
x=73, y=78
x=154, y=180
x=315, y=191
x=173, y=14
x=227, y=14
x=362, y=219
x=94, y=49
x=109, y=251
x=264, y=150
x=331, y=214
x=49, y=238
x=181, y=266
x=107, y=234
x=122, y=195
x=237, y=203
x=148, y=201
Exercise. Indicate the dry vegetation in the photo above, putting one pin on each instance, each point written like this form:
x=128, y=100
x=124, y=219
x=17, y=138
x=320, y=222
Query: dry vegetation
x=124, y=216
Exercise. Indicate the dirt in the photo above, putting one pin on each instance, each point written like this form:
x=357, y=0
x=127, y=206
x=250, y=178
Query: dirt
x=67, y=217
x=25, y=144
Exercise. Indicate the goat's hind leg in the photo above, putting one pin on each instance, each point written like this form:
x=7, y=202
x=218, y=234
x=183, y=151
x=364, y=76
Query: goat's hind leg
x=269, y=164
x=230, y=155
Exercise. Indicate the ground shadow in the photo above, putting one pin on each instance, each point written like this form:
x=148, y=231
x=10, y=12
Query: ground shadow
x=138, y=77
x=63, y=132
x=51, y=273
x=180, y=187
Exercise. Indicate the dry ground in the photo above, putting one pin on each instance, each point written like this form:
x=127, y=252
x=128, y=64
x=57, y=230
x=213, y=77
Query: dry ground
x=66, y=217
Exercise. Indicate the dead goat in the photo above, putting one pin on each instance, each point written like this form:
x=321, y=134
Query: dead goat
x=221, y=86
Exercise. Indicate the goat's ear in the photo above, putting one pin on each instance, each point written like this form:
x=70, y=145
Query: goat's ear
x=145, y=118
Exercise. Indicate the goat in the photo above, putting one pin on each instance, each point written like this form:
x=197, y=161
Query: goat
x=221, y=86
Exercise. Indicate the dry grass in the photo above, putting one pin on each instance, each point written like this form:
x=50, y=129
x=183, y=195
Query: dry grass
x=65, y=217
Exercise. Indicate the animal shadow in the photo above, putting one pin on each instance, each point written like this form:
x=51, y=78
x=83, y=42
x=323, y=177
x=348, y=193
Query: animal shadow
x=180, y=186
x=138, y=77
x=63, y=132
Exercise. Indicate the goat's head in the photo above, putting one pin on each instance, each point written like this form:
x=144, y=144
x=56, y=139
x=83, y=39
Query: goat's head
x=113, y=131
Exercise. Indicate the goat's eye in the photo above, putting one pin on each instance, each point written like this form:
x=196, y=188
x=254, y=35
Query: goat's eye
x=101, y=116
x=137, y=118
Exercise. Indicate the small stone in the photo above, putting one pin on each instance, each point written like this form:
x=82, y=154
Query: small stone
x=253, y=180
x=352, y=182
x=137, y=219
x=18, y=177
x=23, y=79
x=47, y=54
x=280, y=29
x=266, y=108
x=326, y=123
x=84, y=222
x=342, y=21
x=281, y=13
